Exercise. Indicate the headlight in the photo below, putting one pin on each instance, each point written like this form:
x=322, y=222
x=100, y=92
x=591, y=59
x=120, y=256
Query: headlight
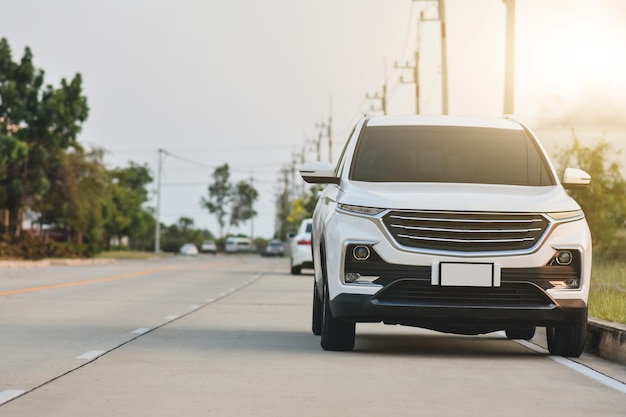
x=566, y=216
x=368, y=211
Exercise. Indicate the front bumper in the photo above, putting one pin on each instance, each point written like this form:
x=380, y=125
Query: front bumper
x=455, y=318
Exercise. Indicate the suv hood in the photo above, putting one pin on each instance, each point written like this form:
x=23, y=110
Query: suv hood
x=457, y=197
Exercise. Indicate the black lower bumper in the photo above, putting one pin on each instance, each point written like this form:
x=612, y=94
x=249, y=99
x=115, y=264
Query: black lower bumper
x=460, y=319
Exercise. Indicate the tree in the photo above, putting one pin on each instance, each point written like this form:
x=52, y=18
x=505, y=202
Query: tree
x=37, y=126
x=220, y=195
x=223, y=195
x=127, y=193
x=242, y=203
x=76, y=197
x=176, y=235
x=604, y=201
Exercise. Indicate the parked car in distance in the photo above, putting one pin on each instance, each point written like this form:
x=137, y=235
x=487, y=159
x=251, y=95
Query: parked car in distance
x=300, y=248
x=274, y=247
x=458, y=225
x=208, y=246
x=239, y=244
x=188, y=249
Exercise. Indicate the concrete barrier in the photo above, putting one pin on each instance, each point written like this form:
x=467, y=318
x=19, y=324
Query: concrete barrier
x=607, y=340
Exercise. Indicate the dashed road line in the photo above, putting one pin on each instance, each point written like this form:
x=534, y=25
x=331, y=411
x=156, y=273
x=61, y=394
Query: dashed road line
x=141, y=330
x=10, y=394
x=91, y=355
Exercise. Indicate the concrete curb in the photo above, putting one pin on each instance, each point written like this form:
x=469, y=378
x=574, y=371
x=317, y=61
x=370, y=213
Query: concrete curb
x=607, y=340
x=54, y=262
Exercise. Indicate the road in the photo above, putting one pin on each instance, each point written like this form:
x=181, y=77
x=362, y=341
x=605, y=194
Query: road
x=230, y=336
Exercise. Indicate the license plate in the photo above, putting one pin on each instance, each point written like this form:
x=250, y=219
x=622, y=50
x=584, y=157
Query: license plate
x=459, y=274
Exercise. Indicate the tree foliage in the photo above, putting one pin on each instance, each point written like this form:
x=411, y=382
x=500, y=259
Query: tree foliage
x=604, y=201
x=37, y=126
x=127, y=193
x=220, y=194
x=44, y=168
x=176, y=235
x=226, y=199
x=242, y=203
x=76, y=196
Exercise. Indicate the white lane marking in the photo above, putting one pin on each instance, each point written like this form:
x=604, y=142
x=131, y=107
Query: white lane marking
x=194, y=307
x=221, y=295
x=210, y=300
x=92, y=354
x=141, y=330
x=171, y=317
x=581, y=369
x=8, y=394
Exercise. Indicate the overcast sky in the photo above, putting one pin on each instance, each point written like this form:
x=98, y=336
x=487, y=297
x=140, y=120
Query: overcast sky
x=245, y=82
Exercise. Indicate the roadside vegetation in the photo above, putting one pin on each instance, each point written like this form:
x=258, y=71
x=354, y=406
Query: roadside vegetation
x=604, y=204
x=58, y=198
x=607, y=295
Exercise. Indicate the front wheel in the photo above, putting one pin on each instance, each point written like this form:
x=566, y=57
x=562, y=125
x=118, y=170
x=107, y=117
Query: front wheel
x=567, y=340
x=336, y=334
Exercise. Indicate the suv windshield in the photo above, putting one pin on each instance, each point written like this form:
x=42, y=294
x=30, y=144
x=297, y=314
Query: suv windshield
x=449, y=154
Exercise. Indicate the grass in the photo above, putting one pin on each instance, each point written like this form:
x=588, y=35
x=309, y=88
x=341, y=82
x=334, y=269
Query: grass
x=607, y=295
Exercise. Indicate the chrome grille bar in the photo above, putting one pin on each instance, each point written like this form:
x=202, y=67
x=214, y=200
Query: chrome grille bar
x=466, y=231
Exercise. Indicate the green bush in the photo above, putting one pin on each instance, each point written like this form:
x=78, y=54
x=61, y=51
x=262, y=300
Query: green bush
x=32, y=247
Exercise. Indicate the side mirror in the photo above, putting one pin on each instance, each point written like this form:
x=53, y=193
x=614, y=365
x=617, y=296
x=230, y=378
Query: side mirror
x=575, y=179
x=291, y=235
x=319, y=173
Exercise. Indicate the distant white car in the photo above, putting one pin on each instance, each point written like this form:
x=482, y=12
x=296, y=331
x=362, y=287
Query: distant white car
x=189, y=249
x=239, y=244
x=208, y=246
x=300, y=248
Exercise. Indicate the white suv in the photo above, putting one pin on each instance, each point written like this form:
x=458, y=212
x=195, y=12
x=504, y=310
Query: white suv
x=457, y=225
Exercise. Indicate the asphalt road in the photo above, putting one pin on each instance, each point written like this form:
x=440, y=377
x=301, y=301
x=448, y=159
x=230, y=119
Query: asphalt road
x=230, y=336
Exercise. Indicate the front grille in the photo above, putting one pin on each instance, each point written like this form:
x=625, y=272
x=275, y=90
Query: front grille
x=420, y=293
x=466, y=231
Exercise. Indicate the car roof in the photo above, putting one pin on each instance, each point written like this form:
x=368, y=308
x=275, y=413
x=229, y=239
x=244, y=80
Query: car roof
x=436, y=120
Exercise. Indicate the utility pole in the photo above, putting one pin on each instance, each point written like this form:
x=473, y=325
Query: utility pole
x=157, y=229
x=509, y=60
x=382, y=98
x=329, y=134
x=444, y=58
x=415, y=79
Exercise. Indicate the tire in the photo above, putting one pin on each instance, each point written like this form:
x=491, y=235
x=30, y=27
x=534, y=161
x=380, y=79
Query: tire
x=318, y=305
x=296, y=269
x=524, y=333
x=336, y=335
x=567, y=340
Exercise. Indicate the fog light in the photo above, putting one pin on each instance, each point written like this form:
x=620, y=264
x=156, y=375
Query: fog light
x=566, y=284
x=564, y=257
x=352, y=276
x=361, y=253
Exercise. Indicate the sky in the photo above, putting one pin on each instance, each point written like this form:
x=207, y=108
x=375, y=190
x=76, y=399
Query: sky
x=248, y=83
